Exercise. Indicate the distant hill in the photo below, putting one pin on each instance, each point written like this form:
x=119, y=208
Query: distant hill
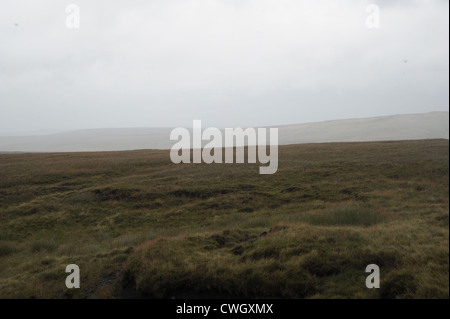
x=397, y=127
x=384, y=128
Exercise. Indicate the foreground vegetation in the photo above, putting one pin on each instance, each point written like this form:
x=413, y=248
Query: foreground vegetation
x=139, y=226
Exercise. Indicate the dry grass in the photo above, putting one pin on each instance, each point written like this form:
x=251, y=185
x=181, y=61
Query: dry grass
x=139, y=226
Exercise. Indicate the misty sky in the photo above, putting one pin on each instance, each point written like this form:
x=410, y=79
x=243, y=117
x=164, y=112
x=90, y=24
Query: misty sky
x=226, y=62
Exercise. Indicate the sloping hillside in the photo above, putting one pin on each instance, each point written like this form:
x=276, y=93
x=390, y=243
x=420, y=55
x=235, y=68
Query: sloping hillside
x=399, y=127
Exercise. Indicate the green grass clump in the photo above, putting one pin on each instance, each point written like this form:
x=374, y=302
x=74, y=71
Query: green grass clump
x=7, y=249
x=43, y=245
x=400, y=284
x=348, y=215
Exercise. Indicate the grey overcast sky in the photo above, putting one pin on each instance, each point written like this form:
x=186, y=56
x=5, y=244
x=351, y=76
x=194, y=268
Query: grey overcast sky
x=226, y=62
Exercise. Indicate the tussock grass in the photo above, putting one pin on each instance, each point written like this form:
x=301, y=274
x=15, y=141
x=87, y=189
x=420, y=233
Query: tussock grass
x=346, y=215
x=7, y=248
x=43, y=245
x=138, y=225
